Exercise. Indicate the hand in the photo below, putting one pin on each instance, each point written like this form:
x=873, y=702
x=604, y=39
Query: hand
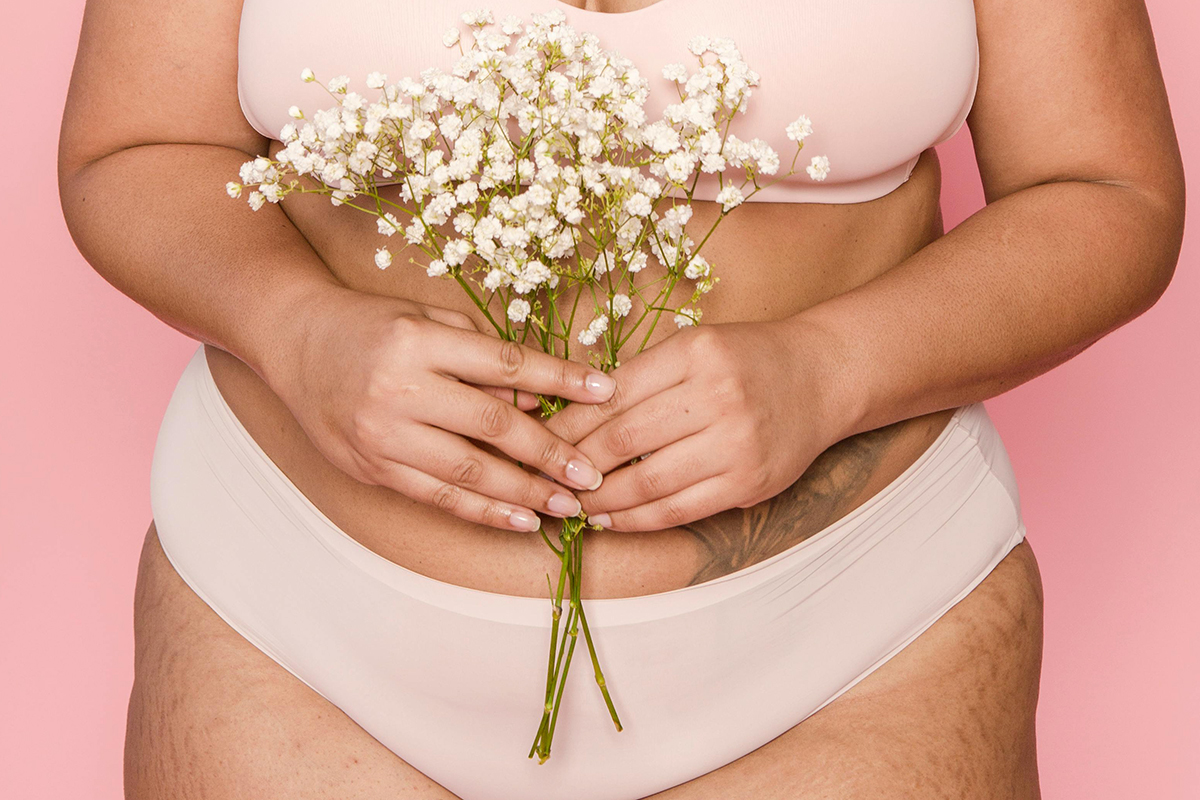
x=390, y=392
x=732, y=414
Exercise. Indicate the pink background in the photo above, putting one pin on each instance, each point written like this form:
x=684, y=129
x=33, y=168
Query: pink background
x=1106, y=449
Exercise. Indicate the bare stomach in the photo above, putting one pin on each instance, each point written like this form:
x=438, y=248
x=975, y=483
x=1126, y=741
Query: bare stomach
x=774, y=260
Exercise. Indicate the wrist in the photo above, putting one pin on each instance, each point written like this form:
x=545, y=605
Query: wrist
x=828, y=355
x=286, y=327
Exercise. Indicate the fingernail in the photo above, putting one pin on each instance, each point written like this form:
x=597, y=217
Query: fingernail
x=563, y=504
x=524, y=520
x=603, y=520
x=600, y=385
x=584, y=475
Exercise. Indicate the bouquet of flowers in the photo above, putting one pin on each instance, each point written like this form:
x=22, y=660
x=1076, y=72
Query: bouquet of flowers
x=530, y=176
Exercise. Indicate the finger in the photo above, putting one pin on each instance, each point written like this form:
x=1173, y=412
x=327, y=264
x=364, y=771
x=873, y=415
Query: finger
x=698, y=501
x=668, y=471
x=457, y=501
x=477, y=415
x=450, y=458
x=455, y=319
x=643, y=376
x=524, y=400
x=488, y=361
x=654, y=423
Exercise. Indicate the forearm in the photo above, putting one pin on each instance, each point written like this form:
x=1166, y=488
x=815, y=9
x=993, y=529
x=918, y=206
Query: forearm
x=156, y=223
x=1023, y=285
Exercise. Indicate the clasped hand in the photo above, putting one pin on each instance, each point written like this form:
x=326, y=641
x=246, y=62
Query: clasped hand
x=416, y=399
x=726, y=416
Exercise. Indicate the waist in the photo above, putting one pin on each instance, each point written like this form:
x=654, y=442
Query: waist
x=206, y=464
x=444, y=548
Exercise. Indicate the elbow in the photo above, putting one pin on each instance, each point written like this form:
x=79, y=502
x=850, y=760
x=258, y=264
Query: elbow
x=1149, y=236
x=1162, y=233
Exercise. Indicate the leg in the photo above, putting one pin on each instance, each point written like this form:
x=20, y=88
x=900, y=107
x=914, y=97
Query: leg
x=213, y=717
x=950, y=716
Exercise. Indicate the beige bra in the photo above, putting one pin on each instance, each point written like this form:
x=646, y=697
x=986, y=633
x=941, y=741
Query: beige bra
x=881, y=80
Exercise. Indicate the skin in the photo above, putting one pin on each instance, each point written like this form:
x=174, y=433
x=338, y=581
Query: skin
x=812, y=389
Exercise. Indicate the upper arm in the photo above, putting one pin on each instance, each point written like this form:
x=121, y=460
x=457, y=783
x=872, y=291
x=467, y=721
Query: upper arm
x=151, y=72
x=1071, y=90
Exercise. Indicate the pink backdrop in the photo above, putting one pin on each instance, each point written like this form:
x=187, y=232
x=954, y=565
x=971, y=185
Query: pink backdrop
x=1106, y=449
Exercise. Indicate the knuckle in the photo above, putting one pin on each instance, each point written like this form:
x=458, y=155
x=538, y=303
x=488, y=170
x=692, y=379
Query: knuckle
x=672, y=513
x=729, y=392
x=613, y=405
x=370, y=471
x=648, y=482
x=364, y=427
x=566, y=377
x=757, y=486
x=447, y=497
x=619, y=439
x=700, y=340
x=495, y=419
x=533, y=493
x=511, y=359
x=468, y=471
x=551, y=453
x=494, y=515
x=405, y=333
x=460, y=320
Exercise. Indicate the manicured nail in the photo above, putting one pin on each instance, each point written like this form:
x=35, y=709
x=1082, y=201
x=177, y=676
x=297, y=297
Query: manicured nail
x=603, y=520
x=524, y=520
x=600, y=385
x=584, y=475
x=564, y=505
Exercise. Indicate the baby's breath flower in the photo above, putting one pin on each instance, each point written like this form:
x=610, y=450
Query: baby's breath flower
x=307, y=75
x=376, y=80
x=256, y=200
x=698, y=268
x=338, y=85
x=295, y=113
x=798, y=130
x=479, y=18
x=729, y=197
x=383, y=259
x=675, y=72
x=684, y=319
x=621, y=305
x=638, y=205
x=450, y=37
x=233, y=189
x=518, y=310
x=436, y=268
x=819, y=168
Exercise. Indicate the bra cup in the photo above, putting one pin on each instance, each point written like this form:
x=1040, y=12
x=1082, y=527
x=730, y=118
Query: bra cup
x=961, y=118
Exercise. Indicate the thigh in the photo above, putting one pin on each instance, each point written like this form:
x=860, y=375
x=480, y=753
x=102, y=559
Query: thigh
x=211, y=716
x=950, y=716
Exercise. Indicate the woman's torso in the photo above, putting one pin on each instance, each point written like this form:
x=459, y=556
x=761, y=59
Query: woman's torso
x=773, y=259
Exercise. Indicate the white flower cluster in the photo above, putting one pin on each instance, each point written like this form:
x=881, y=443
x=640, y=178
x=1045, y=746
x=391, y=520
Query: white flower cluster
x=531, y=169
